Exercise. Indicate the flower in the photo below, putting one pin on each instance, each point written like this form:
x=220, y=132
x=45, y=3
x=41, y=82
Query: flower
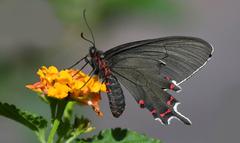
x=71, y=84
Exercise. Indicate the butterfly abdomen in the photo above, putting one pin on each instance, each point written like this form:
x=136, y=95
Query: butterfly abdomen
x=115, y=96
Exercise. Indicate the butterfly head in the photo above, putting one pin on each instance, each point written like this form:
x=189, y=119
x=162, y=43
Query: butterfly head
x=92, y=51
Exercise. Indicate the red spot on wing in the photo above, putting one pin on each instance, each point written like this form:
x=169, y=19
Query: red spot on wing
x=141, y=103
x=169, y=102
x=165, y=113
x=154, y=111
x=172, y=85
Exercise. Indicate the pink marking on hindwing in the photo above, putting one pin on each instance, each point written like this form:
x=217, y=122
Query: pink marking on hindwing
x=169, y=102
x=165, y=113
x=172, y=85
x=154, y=111
x=141, y=103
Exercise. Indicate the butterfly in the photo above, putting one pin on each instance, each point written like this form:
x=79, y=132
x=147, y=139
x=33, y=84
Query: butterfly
x=149, y=69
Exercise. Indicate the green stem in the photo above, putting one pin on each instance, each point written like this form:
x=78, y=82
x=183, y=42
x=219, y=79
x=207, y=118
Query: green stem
x=70, y=139
x=60, y=109
x=41, y=136
x=53, y=130
x=73, y=138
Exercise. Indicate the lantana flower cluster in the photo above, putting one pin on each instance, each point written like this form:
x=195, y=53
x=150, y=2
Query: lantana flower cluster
x=71, y=84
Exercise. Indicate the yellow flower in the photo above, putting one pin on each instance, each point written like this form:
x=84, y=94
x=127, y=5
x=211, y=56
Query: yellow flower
x=64, y=77
x=59, y=91
x=37, y=87
x=69, y=83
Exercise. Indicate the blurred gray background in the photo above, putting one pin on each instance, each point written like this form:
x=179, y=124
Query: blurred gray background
x=41, y=32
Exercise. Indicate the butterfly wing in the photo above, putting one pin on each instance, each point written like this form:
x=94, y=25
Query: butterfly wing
x=150, y=93
x=147, y=68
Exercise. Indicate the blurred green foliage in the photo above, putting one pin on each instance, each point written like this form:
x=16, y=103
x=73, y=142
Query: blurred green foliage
x=70, y=11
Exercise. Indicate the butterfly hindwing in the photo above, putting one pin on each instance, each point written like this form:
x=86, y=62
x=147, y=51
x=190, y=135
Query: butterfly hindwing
x=152, y=96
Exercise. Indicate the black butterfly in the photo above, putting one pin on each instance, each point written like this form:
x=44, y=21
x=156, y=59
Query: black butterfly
x=148, y=69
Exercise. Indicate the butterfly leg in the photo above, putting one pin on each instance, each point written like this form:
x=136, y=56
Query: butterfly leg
x=90, y=77
x=99, y=90
x=84, y=58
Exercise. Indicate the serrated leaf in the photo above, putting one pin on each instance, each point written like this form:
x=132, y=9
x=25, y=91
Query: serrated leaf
x=30, y=120
x=81, y=123
x=119, y=135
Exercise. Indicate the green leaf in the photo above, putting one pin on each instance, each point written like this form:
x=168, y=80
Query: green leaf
x=30, y=120
x=119, y=135
x=80, y=126
x=67, y=115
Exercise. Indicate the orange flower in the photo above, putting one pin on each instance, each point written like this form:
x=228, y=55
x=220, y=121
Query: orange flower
x=69, y=83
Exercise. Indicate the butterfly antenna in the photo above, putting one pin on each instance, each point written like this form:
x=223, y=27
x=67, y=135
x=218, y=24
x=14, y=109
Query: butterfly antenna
x=89, y=28
x=87, y=39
